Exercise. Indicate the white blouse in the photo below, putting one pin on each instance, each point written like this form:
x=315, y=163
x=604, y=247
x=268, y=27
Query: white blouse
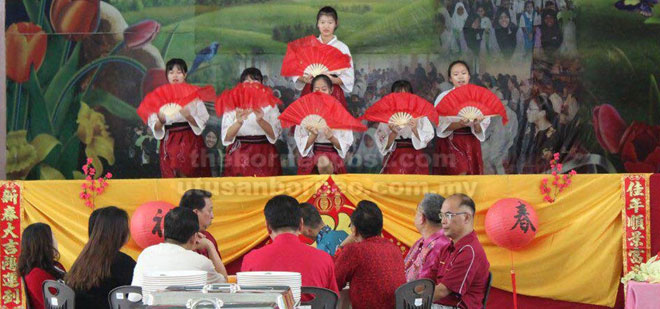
x=445, y=121
x=424, y=130
x=301, y=135
x=197, y=111
x=250, y=126
x=347, y=76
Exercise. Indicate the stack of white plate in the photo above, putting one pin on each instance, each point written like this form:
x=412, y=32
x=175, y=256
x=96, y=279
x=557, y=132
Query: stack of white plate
x=159, y=280
x=291, y=279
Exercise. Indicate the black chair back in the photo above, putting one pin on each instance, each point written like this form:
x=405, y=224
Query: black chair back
x=118, y=297
x=416, y=294
x=323, y=298
x=58, y=295
x=490, y=280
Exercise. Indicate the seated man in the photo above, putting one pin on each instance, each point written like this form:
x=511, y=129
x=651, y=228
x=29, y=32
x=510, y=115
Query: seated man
x=423, y=257
x=176, y=252
x=314, y=228
x=463, y=275
x=287, y=252
x=372, y=264
x=199, y=201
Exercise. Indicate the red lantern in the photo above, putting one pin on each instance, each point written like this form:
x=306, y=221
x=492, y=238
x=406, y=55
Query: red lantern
x=511, y=223
x=147, y=223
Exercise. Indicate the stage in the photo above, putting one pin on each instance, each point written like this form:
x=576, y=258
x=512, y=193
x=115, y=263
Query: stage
x=576, y=259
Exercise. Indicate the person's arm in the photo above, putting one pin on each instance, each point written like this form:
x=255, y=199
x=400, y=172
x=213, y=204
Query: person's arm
x=345, y=265
x=302, y=138
x=441, y=291
x=332, y=138
x=345, y=139
x=423, y=133
x=196, y=115
x=263, y=123
x=219, y=267
x=232, y=130
x=313, y=134
x=156, y=123
x=394, y=133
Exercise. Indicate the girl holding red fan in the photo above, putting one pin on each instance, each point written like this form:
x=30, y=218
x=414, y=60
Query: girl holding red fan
x=250, y=131
x=177, y=117
x=459, y=144
x=327, y=22
x=401, y=143
x=322, y=148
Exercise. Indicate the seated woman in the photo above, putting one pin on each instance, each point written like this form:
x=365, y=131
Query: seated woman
x=101, y=267
x=322, y=151
x=38, y=261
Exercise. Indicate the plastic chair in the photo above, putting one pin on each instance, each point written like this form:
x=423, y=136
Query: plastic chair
x=415, y=294
x=63, y=297
x=323, y=298
x=490, y=280
x=119, y=299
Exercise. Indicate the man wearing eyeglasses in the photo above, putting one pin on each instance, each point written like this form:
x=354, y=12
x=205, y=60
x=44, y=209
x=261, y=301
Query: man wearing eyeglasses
x=463, y=269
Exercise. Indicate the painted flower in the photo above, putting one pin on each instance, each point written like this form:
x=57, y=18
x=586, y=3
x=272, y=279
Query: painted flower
x=141, y=33
x=153, y=79
x=93, y=132
x=640, y=148
x=75, y=18
x=26, y=48
x=609, y=127
x=23, y=156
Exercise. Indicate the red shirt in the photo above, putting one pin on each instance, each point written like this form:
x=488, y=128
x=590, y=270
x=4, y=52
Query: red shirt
x=215, y=244
x=33, y=282
x=288, y=253
x=464, y=271
x=374, y=268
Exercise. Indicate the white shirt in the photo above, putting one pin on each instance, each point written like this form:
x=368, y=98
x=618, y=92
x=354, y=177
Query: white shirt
x=169, y=257
x=250, y=126
x=345, y=138
x=197, y=111
x=347, y=76
x=424, y=130
x=445, y=121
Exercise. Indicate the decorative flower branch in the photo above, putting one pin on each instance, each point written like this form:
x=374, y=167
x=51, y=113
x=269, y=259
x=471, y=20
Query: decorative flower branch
x=559, y=183
x=93, y=186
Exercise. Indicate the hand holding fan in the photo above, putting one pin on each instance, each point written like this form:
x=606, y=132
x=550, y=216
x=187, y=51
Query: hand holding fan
x=250, y=96
x=169, y=99
x=399, y=109
x=471, y=102
x=318, y=110
x=305, y=57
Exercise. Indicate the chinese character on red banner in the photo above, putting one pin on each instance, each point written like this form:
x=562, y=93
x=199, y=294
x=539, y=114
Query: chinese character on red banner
x=10, y=230
x=635, y=215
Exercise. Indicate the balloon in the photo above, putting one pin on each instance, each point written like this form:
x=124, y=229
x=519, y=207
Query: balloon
x=147, y=223
x=511, y=223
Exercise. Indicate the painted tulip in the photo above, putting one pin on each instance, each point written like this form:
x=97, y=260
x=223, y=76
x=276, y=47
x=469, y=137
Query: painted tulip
x=609, y=127
x=26, y=48
x=75, y=18
x=141, y=33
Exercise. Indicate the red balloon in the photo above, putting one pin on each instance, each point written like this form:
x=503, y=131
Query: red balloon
x=511, y=223
x=147, y=223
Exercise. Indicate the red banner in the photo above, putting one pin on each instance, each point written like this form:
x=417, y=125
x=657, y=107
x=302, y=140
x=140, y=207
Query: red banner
x=10, y=229
x=636, y=222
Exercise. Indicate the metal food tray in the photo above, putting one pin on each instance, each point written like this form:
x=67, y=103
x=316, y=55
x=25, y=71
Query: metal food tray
x=227, y=295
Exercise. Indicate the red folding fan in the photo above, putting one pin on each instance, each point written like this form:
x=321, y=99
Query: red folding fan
x=245, y=96
x=471, y=101
x=400, y=108
x=304, y=57
x=318, y=110
x=170, y=98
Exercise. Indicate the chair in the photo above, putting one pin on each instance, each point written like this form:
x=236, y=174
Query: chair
x=490, y=280
x=119, y=299
x=62, y=297
x=415, y=294
x=323, y=298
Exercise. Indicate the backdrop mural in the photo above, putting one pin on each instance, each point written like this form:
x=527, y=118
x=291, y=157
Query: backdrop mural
x=576, y=77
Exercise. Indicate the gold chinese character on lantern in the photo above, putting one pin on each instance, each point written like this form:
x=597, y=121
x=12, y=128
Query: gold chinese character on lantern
x=635, y=239
x=9, y=263
x=636, y=222
x=11, y=247
x=10, y=279
x=635, y=188
x=9, y=214
x=635, y=256
x=9, y=231
x=10, y=196
x=635, y=204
